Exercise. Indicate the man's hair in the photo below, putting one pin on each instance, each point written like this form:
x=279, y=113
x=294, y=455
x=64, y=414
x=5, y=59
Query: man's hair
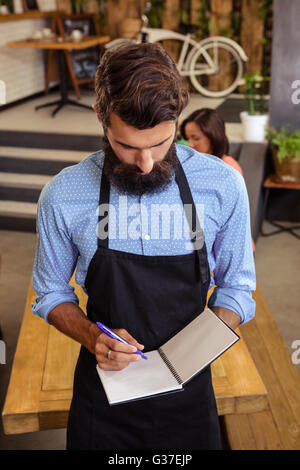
x=213, y=126
x=141, y=84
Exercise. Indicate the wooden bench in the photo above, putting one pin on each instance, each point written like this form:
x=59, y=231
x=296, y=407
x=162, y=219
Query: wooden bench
x=40, y=387
x=278, y=427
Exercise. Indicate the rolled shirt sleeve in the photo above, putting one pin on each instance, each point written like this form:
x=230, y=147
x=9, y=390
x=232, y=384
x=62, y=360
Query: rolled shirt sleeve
x=234, y=273
x=56, y=256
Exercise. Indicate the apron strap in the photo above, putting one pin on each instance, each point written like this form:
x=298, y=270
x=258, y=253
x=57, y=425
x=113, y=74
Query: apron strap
x=103, y=199
x=197, y=234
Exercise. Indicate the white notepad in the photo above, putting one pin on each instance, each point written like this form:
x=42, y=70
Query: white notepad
x=175, y=363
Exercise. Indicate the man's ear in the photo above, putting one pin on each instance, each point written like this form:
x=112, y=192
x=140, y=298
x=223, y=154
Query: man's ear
x=98, y=115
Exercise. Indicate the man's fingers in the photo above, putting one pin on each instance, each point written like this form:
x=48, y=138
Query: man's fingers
x=116, y=345
x=111, y=365
x=127, y=336
x=123, y=357
x=121, y=354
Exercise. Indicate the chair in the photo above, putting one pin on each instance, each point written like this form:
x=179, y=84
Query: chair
x=81, y=64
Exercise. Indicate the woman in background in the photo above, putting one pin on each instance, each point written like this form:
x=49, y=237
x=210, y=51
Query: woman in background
x=204, y=131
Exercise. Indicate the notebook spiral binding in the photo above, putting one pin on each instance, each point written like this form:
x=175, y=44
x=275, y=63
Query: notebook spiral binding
x=170, y=366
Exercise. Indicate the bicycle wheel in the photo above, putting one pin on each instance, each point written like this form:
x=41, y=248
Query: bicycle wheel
x=115, y=43
x=226, y=74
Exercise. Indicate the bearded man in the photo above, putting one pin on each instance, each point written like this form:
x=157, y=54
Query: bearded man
x=142, y=284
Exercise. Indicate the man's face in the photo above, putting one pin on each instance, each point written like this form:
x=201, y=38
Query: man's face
x=139, y=161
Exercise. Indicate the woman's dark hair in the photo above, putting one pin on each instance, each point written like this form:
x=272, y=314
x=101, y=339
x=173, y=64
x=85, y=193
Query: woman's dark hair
x=213, y=126
x=141, y=84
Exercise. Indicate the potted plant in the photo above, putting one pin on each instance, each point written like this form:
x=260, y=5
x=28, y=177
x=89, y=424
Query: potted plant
x=254, y=119
x=285, y=152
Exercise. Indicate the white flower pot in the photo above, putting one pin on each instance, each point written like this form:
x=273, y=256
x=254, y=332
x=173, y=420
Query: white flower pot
x=254, y=127
x=18, y=6
x=4, y=10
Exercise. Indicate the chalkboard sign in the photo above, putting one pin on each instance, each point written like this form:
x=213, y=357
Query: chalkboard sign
x=84, y=61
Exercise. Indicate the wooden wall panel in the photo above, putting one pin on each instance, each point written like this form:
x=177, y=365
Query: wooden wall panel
x=252, y=30
x=221, y=19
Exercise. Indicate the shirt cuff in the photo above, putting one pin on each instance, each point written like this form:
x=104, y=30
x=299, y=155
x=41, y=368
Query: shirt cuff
x=239, y=301
x=49, y=301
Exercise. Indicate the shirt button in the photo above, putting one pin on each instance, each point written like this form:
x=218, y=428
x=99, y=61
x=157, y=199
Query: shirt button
x=147, y=237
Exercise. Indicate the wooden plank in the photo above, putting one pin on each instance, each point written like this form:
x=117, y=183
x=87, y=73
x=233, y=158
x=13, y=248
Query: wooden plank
x=280, y=376
x=256, y=431
x=241, y=404
x=221, y=20
x=29, y=15
x=194, y=11
x=220, y=15
x=171, y=22
x=22, y=400
x=56, y=378
x=236, y=361
x=274, y=182
x=217, y=369
x=87, y=41
x=235, y=391
x=116, y=12
x=61, y=358
x=239, y=433
x=54, y=414
x=252, y=31
x=52, y=395
x=265, y=431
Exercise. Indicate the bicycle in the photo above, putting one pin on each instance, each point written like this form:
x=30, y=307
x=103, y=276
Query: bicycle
x=203, y=62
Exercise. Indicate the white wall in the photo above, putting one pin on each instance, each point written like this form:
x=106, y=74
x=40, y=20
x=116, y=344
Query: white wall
x=23, y=70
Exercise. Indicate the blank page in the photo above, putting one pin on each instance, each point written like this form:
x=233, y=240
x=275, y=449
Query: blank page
x=198, y=344
x=138, y=379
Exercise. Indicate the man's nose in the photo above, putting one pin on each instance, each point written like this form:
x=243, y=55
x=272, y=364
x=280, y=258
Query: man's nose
x=144, y=161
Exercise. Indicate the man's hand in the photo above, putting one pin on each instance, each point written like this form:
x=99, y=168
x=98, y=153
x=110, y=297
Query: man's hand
x=228, y=316
x=71, y=320
x=121, y=354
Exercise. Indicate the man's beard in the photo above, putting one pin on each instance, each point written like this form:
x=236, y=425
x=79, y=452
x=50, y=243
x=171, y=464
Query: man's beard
x=128, y=179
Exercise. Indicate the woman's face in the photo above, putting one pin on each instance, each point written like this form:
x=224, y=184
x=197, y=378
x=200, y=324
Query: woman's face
x=196, y=138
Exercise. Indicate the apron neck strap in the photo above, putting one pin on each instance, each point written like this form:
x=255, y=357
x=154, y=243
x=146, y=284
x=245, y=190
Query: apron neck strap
x=103, y=211
x=196, y=232
x=197, y=236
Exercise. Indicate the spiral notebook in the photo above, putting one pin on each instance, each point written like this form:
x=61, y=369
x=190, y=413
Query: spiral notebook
x=171, y=366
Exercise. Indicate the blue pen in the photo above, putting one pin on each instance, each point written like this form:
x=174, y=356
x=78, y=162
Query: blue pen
x=114, y=335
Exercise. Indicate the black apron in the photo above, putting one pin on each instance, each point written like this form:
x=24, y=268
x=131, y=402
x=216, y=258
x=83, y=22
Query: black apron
x=152, y=297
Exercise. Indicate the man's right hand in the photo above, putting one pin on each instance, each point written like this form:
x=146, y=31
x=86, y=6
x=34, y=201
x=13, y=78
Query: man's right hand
x=121, y=354
x=71, y=320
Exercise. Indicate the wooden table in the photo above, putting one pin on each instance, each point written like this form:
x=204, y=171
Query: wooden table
x=273, y=182
x=61, y=47
x=40, y=388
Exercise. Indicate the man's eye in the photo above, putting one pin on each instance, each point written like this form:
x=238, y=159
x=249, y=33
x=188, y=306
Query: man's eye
x=127, y=148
